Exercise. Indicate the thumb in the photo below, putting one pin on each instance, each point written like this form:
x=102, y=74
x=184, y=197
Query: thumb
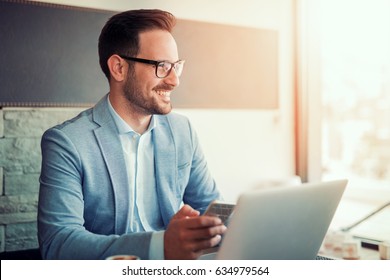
x=185, y=212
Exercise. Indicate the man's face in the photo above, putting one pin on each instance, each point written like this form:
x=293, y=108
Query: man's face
x=147, y=93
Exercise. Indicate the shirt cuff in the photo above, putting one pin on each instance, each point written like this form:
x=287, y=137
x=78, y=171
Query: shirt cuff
x=156, y=249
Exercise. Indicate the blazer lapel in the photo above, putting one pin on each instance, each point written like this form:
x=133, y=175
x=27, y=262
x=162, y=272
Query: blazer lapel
x=166, y=171
x=110, y=145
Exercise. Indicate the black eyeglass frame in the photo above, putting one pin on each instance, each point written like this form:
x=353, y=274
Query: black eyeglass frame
x=156, y=63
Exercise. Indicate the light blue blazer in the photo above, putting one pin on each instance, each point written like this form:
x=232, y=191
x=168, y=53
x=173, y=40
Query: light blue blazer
x=84, y=195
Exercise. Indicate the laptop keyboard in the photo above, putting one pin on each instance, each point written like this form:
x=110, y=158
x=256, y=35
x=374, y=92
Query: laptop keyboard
x=323, y=258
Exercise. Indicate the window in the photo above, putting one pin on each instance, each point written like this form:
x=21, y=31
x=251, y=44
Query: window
x=352, y=73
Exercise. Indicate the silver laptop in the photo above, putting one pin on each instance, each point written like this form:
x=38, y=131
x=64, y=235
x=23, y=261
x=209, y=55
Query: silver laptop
x=280, y=223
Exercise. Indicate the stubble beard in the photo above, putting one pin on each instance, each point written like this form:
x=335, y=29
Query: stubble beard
x=139, y=102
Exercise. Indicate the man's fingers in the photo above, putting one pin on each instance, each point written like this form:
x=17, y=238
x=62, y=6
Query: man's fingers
x=185, y=212
x=198, y=238
x=188, y=234
x=206, y=233
x=202, y=222
x=206, y=243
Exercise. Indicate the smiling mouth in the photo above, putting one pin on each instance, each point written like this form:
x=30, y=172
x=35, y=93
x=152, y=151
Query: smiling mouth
x=163, y=93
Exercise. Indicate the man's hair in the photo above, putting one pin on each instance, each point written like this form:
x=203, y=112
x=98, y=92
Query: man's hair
x=120, y=35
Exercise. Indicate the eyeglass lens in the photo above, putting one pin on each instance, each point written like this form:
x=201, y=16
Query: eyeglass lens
x=164, y=68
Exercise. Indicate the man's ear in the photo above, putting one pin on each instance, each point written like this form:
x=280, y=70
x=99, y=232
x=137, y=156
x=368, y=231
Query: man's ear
x=117, y=68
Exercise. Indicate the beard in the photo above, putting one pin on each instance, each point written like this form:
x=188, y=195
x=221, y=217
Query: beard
x=145, y=102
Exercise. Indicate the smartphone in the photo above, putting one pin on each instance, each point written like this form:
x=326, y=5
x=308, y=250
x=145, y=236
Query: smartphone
x=220, y=209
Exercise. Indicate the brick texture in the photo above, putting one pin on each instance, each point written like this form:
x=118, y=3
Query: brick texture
x=21, y=130
x=1, y=181
x=2, y=238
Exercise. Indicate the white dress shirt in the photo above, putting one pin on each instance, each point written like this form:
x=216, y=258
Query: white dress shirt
x=144, y=209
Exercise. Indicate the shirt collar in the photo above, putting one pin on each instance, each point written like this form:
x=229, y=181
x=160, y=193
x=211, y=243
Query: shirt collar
x=122, y=126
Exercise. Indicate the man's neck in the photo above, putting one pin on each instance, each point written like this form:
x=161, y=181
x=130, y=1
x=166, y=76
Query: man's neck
x=138, y=121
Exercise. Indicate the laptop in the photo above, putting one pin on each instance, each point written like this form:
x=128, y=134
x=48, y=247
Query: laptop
x=280, y=223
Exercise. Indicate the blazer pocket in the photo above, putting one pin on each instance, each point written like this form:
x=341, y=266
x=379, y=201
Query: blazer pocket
x=182, y=166
x=183, y=174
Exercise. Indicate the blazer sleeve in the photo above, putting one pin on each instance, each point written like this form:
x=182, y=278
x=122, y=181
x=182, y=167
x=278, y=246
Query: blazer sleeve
x=61, y=231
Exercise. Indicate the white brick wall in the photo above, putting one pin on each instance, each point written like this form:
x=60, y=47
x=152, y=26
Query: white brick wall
x=20, y=161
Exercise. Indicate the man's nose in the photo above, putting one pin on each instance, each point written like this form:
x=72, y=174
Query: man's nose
x=172, y=79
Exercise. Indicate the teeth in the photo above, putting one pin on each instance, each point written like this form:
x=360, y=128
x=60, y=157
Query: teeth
x=163, y=93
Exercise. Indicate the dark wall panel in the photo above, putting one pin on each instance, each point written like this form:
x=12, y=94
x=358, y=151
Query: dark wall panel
x=48, y=57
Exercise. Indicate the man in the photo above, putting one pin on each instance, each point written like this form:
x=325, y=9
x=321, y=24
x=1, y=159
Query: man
x=128, y=176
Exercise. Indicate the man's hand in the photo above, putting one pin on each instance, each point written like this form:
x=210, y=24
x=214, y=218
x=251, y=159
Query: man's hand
x=188, y=234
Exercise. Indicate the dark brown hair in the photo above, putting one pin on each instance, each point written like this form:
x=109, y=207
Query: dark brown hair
x=120, y=33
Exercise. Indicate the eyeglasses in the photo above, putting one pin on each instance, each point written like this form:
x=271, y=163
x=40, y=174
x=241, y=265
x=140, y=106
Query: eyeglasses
x=163, y=68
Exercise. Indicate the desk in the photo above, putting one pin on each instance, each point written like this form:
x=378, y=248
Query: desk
x=356, y=205
x=336, y=242
x=365, y=254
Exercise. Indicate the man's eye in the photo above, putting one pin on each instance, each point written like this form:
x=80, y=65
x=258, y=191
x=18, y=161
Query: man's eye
x=164, y=66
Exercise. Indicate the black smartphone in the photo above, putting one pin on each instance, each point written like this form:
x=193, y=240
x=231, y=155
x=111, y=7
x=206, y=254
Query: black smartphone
x=220, y=209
